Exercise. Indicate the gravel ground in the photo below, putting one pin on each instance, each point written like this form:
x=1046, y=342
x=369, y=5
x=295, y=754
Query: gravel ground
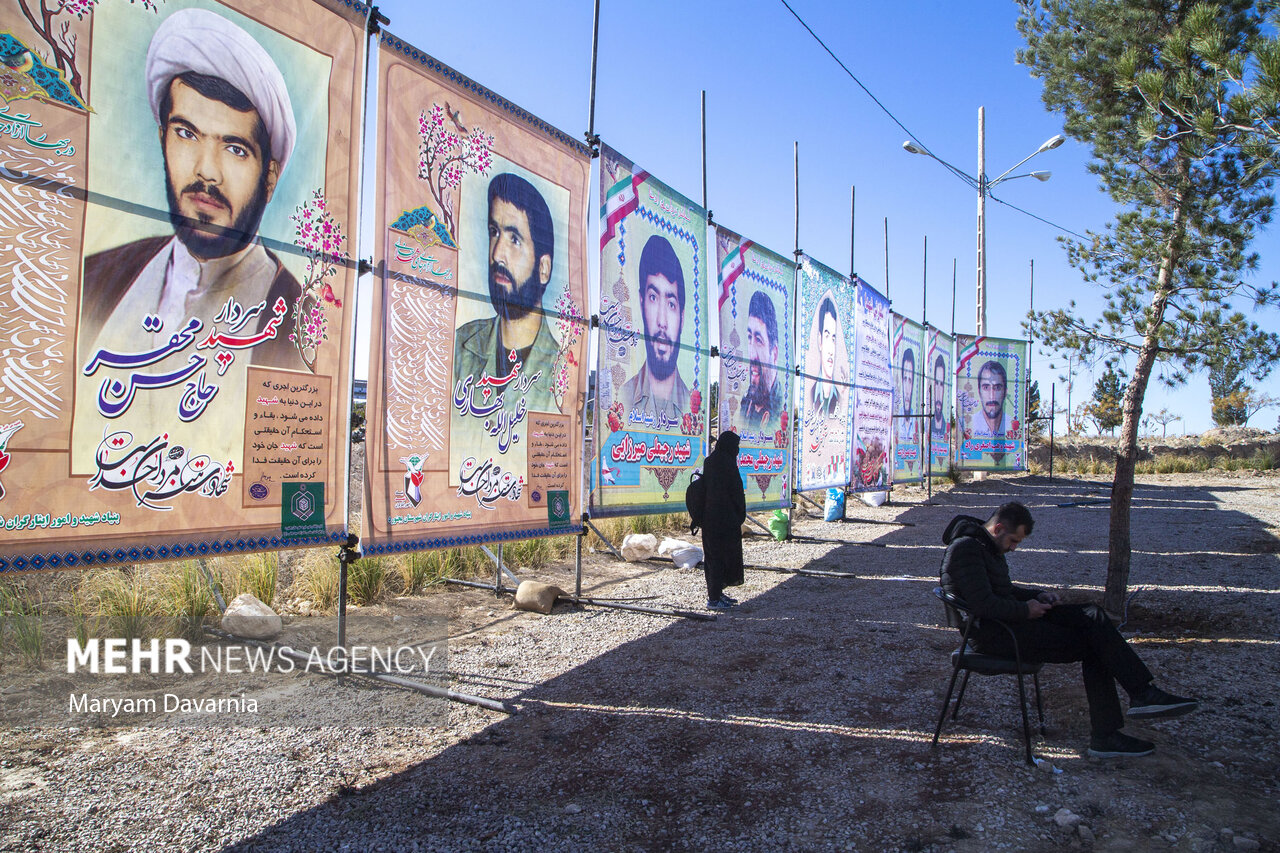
x=801, y=720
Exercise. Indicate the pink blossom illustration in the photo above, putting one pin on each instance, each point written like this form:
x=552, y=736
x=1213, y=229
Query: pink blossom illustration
x=320, y=238
x=447, y=151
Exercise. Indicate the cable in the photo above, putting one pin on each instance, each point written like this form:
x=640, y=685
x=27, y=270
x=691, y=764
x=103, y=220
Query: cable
x=968, y=179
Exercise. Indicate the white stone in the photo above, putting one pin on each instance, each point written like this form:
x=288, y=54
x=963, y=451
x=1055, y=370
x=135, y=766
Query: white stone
x=1066, y=818
x=248, y=617
x=639, y=546
x=670, y=545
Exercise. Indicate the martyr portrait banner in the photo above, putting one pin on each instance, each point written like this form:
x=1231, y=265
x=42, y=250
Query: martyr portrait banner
x=873, y=404
x=651, y=386
x=826, y=338
x=477, y=377
x=180, y=190
x=938, y=382
x=757, y=318
x=991, y=403
x=908, y=399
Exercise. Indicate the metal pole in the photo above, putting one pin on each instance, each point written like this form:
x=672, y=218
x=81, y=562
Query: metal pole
x=953, y=297
x=1053, y=411
x=704, y=153
x=982, y=221
x=595, y=50
x=886, y=257
x=924, y=442
x=497, y=579
x=796, y=149
x=342, y=601
x=853, y=211
x=577, y=575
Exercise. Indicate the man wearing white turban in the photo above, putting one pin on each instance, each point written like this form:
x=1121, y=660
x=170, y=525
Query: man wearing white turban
x=226, y=130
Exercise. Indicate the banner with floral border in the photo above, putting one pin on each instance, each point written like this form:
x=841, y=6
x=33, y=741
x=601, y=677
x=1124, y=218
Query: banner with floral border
x=477, y=376
x=757, y=363
x=652, y=381
x=907, y=338
x=991, y=403
x=825, y=354
x=873, y=404
x=939, y=384
x=181, y=187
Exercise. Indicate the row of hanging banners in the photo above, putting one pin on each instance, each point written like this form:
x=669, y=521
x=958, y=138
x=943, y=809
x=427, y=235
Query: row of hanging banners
x=178, y=323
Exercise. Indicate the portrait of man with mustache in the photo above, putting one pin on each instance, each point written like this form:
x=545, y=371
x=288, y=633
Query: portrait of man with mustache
x=658, y=389
x=762, y=404
x=226, y=132
x=521, y=259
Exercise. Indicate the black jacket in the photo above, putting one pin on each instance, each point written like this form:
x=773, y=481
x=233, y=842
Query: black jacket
x=974, y=569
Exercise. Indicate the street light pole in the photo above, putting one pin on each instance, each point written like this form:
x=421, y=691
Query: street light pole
x=984, y=187
x=982, y=221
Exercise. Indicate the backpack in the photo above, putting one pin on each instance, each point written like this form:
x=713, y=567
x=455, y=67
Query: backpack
x=695, y=500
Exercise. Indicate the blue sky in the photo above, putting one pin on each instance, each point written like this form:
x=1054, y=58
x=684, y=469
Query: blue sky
x=770, y=85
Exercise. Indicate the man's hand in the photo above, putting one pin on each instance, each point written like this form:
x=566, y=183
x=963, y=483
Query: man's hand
x=1037, y=608
x=1049, y=598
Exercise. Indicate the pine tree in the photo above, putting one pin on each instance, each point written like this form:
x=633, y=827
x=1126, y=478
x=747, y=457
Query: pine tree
x=1143, y=83
x=1106, y=407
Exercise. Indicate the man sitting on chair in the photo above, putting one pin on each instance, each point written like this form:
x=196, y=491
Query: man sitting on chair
x=975, y=570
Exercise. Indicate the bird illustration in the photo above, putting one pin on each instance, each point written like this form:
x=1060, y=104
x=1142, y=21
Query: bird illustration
x=26, y=76
x=456, y=117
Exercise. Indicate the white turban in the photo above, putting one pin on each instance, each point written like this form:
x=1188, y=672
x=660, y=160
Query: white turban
x=206, y=43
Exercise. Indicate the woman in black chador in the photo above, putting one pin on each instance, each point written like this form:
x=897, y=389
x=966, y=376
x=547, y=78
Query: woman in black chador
x=725, y=513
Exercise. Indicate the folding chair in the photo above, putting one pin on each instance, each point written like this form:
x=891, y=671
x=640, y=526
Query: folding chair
x=960, y=616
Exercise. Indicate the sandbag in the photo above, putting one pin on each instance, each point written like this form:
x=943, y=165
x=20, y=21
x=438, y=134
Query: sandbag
x=780, y=525
x=538, y=597
x=835, y=505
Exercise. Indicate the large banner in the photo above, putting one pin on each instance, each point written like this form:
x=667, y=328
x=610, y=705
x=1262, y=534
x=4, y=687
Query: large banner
x=650, y=422
x=180, y=189
x=757, y=316
x=872, y=423
x=991, y=403
x=476, y=372
x=938, y=378
x=908, y=399
x=826, y=343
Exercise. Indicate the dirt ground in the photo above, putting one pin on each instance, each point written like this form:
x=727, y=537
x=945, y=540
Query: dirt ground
x=801, y=720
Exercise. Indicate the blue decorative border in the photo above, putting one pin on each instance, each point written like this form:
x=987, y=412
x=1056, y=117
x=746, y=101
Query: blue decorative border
x=401, y=546
x=658, y=221
x=179, y=550
x=462, y=81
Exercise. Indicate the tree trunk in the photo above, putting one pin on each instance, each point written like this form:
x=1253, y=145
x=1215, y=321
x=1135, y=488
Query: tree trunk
x=1119, y=545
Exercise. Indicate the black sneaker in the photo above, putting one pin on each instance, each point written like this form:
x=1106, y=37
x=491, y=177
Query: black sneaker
x=1119, y=745
x=718, y=604
x=728, y=599
x=1154, y=702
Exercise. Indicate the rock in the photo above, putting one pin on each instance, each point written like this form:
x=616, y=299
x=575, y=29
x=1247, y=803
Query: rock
x=538, y=597
x=1066, y=818
x=670, y=545
x=574, y=808
x=1242, y=843
x=1085, y=833
x=639, y=546
x=248, y=617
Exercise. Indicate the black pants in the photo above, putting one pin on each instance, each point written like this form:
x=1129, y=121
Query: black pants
x=1076, y=632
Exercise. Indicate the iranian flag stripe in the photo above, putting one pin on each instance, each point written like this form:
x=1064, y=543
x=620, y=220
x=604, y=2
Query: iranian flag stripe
x=621, y=199
x=734, y=264
x=968, y=353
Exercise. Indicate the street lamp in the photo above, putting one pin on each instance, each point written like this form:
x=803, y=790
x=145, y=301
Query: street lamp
x=984, y=186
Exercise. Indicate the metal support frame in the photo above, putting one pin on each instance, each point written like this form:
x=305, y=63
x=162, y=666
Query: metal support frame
x=605, y=539
x=596, y=602
x=347, y=554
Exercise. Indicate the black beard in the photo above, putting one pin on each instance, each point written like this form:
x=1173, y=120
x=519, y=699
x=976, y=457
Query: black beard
x=207, y=241
x=757, y=384
x=522, y=301
x=658, y=367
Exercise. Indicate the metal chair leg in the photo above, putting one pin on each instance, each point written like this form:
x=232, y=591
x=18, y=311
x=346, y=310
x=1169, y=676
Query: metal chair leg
x=945, y=702
x=964, y=683
x=1039, y=705
x=1026, y=723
